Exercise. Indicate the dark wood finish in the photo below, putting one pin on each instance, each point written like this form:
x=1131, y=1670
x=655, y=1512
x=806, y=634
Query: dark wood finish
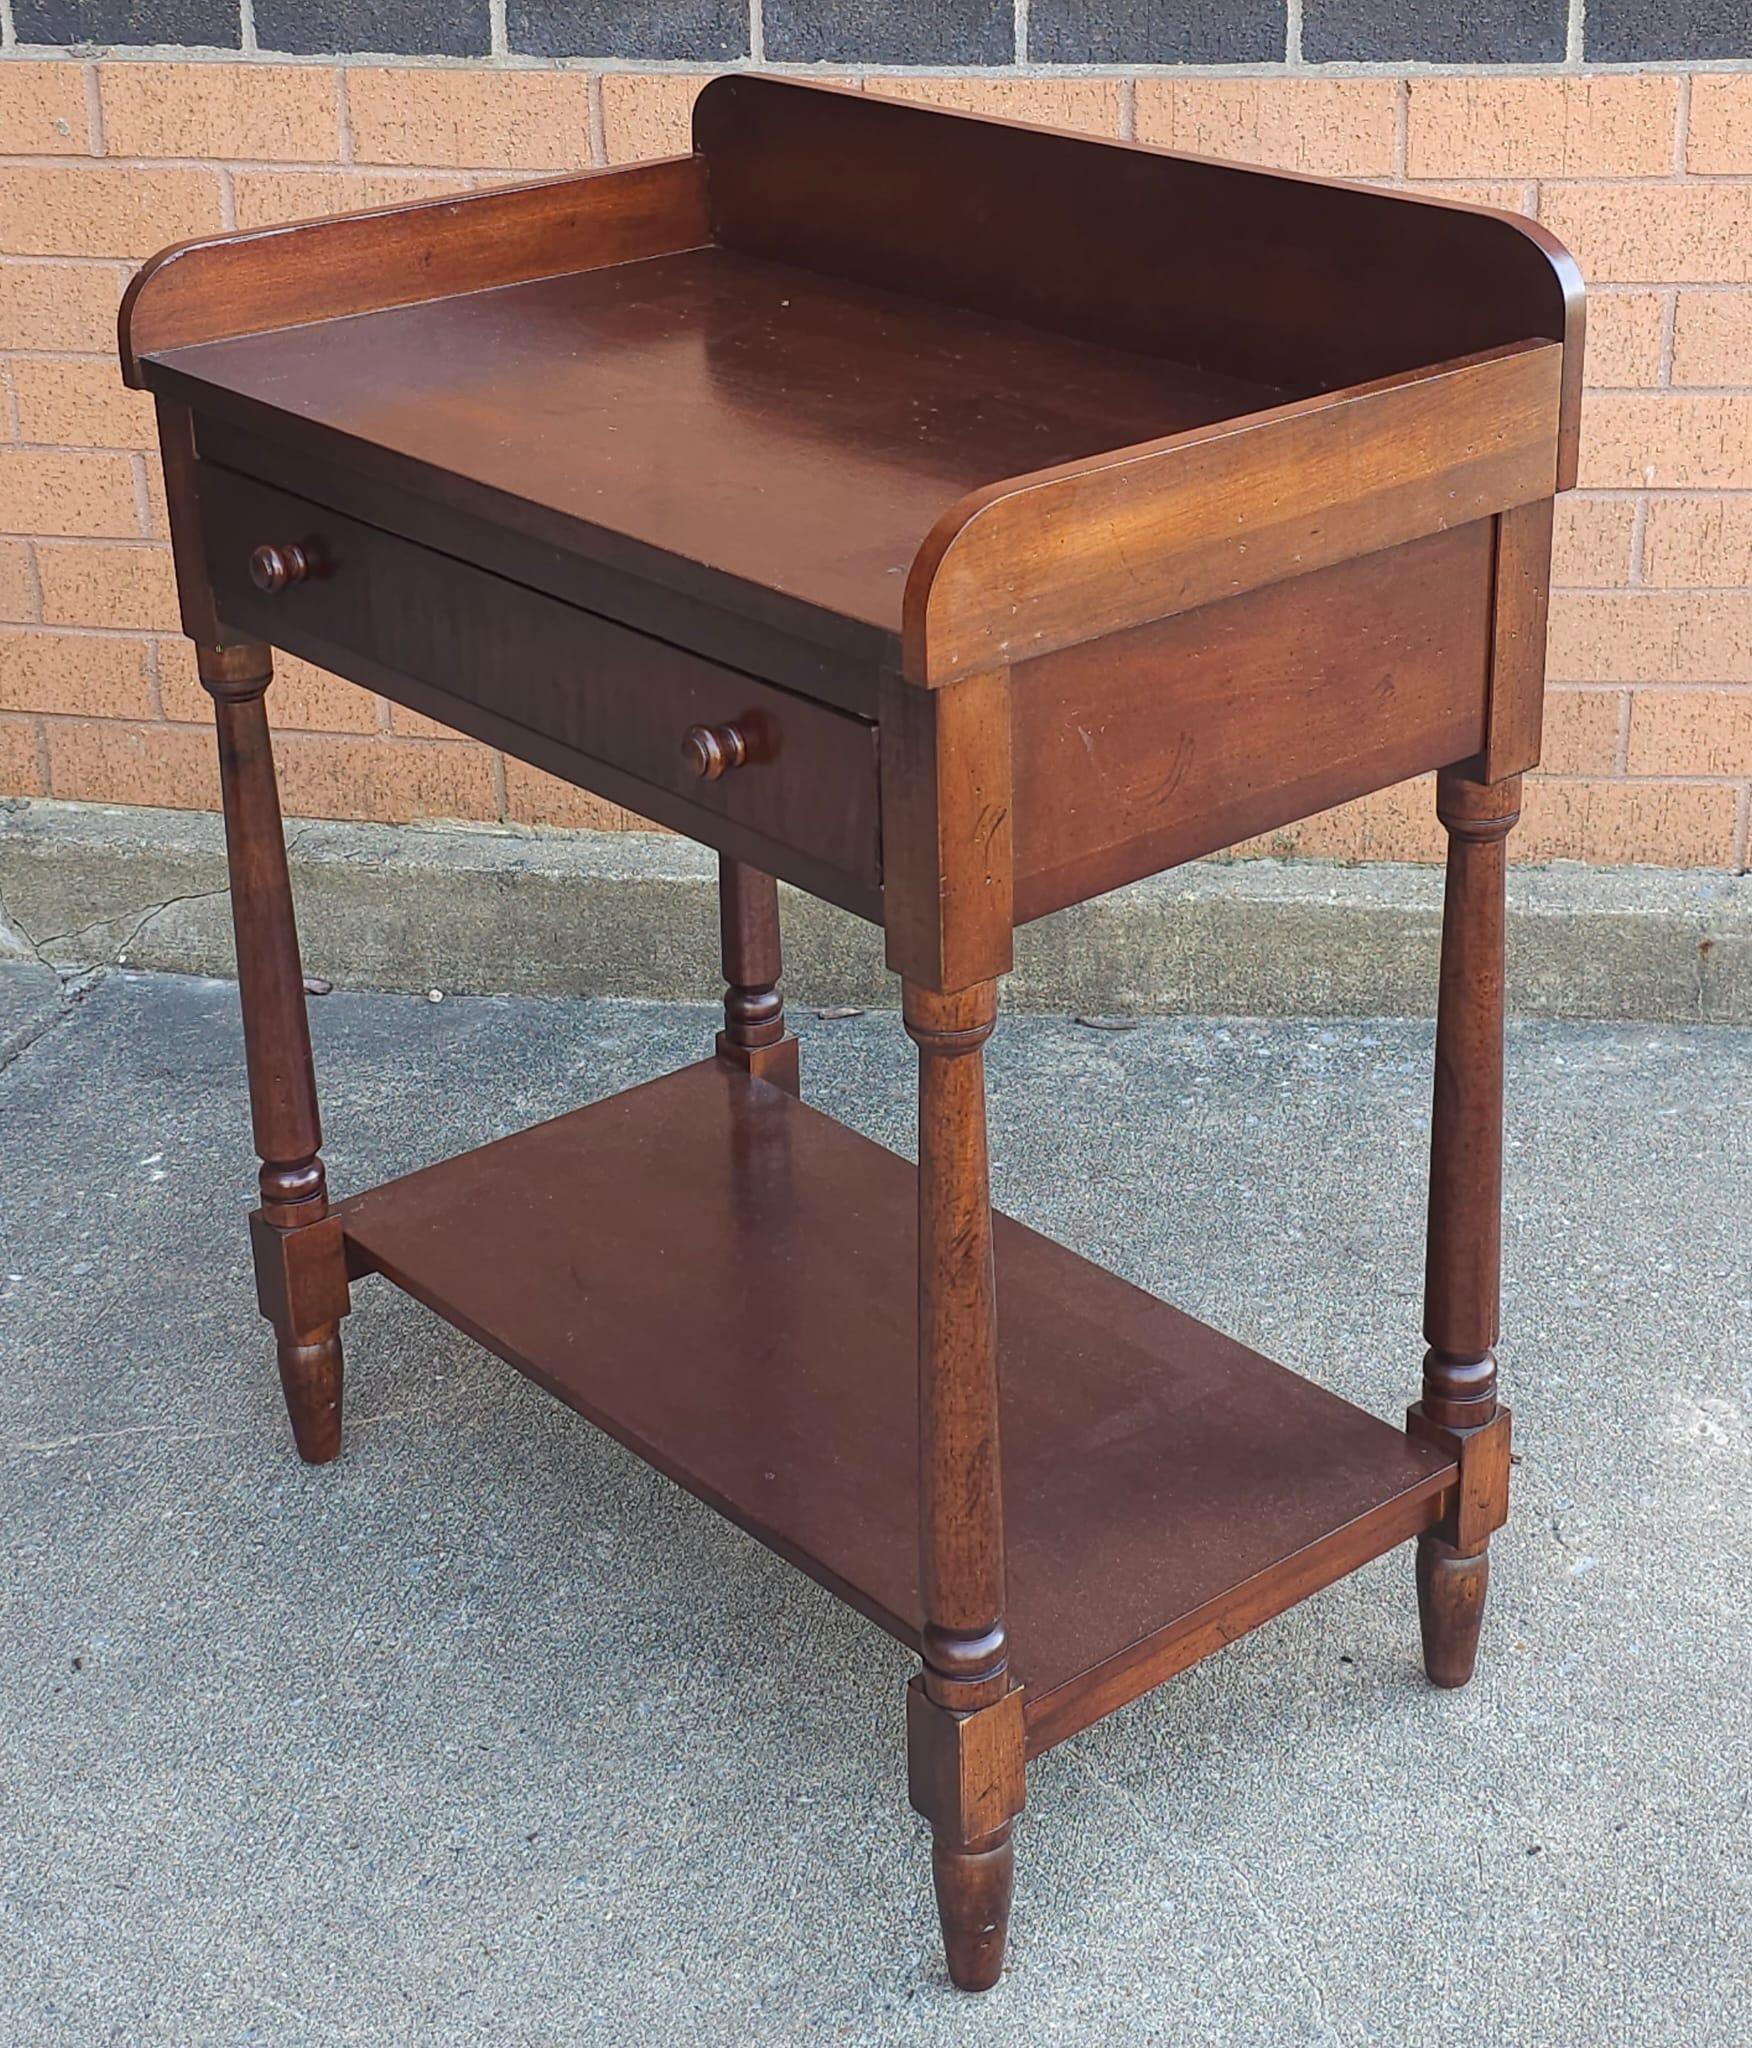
x=754, y=1037
x=1462, y=1272
x=382, y=608
x=1152, y=747
x=1450, y=1608
x=271, y=568
x=194, y=585
x=1516, y=712
x=780, y=1384
x=281, y=277
x=299, y=1255
x=770, y=635
x=865, y=496
x=1092, y=548
x=948, y=831
x=797, y=436
x=965, y=1775
x=963, y=1639
x=961, y=1509
x=1291, y=280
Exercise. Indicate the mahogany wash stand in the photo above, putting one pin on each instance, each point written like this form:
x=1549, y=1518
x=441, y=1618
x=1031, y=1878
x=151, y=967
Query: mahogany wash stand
x=957, y=520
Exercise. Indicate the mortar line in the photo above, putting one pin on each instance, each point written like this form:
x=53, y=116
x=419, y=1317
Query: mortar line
x=142, y=495
x=1293, y=35
x=155, y=679
x=33, y=575
x=18, y=160
x=498, y=35
x=756, y=32
x=160, y=53
x=1573, y=34
x=1639, y=523
x=597, y=114
x=1021, y=31
x=94, y=113
x=246, y=27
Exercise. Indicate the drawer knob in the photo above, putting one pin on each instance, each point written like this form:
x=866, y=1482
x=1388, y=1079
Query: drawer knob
x=713, y=750
x=271, y=568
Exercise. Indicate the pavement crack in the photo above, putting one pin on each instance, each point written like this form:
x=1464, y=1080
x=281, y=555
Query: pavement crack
x=152, y=910
x=73, y=985
x=18, y=1447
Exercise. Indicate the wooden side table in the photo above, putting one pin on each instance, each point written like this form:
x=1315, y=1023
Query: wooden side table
x=957, y=520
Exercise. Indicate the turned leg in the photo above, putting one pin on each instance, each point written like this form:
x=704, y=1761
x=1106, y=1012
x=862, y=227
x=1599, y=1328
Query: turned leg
x=300, y=1259
x=1459, y=1410
x=964, y=1717
x=754, y=1035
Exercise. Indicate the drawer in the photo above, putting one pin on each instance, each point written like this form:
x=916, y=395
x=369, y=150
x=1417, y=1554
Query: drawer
x=713, y=753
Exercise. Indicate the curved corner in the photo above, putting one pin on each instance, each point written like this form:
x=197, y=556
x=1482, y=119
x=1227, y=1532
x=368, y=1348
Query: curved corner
x=728, y=107
x=1573, y=296
x=1557, y=279
x=921, y=660
x=714, y=106
x=131, y=344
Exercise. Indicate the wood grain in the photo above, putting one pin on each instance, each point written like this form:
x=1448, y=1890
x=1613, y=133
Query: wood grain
x=1298, y=281
x=1046, y=561
x=278, y=277
x=385, y=612
x=1521, y=600
x=781, y=1383
x=948, y=831
x=306, y=1290
x=1144, y=749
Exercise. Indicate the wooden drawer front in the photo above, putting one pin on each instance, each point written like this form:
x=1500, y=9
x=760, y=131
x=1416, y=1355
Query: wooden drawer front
x=598, y=702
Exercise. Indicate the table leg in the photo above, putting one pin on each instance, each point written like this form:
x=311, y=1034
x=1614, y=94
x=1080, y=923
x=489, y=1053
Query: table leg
x=754, y=1035
x=1459, y=1410
x=964, y=1721
x=300, y=1257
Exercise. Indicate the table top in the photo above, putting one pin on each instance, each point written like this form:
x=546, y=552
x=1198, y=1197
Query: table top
x=791, y=430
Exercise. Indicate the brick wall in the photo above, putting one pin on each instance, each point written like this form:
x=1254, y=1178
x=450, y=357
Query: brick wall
x=125, y=124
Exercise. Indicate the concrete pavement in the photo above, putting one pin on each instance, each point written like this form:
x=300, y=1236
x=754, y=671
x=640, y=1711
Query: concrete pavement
x=487, y=1734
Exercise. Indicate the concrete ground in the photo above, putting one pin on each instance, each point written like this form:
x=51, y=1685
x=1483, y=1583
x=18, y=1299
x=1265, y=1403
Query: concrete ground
x=486, y=1734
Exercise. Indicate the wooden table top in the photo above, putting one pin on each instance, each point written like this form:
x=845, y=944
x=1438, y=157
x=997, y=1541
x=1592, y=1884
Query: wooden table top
x=795, y=431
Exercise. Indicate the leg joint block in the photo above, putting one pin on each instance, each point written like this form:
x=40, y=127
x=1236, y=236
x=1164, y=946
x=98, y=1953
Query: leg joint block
x=777, y=1063
x=301, y=1276
x=1481, y=1499
x=965, y=1771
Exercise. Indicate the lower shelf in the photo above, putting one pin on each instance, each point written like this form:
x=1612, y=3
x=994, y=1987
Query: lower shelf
x=723, y=1279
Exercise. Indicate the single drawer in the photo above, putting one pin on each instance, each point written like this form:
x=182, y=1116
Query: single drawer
x=717, y=755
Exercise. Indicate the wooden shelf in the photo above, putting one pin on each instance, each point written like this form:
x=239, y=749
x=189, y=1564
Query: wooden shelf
x=724, y=1280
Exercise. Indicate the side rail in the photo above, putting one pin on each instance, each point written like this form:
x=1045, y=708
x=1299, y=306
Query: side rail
x=397, y=256
x=1065, y=555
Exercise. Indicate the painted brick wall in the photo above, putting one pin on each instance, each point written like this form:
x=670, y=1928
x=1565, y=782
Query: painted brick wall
x=1627, y=126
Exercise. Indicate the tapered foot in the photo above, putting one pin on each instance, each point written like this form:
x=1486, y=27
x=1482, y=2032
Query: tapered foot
x=973, y=1902
x=311, y=1377
x=1450, y=1606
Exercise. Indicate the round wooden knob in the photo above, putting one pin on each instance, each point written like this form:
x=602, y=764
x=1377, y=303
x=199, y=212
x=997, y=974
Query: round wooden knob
x=713, y=750
x=271, y=568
